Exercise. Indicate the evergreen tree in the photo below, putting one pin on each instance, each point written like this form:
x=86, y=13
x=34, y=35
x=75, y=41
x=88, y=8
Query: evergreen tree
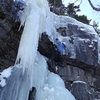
x=72, y=10
x=96, y=27
x=55, y=2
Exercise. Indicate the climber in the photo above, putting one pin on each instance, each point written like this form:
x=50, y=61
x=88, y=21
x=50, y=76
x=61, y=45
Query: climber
x=56, y=55
x=60, y=46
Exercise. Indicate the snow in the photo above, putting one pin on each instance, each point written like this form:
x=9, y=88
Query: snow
x=4, y=75
x=82, y=29
x=62, y=21
x=79, y=82
x=90, y=45
x=56, y=68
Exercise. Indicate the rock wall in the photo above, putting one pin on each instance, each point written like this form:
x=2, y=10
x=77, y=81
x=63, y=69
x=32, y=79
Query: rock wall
x=9, y=32
x=79, y=77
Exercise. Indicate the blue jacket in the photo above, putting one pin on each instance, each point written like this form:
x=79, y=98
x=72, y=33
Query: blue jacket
x=60, y=46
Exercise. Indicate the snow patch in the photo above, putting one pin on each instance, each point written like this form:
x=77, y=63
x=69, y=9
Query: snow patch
x=4, y=75
x=79, y=82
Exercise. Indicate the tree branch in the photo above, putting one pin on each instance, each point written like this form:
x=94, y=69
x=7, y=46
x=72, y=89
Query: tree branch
x=97, y=9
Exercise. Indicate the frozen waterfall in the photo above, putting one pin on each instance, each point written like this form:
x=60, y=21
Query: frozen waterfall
x=30, y=69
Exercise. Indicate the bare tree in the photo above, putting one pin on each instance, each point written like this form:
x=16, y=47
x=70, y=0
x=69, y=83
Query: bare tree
x=91, y=4
x=95, y=8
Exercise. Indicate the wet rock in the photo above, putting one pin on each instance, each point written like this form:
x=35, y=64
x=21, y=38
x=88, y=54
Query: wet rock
x=97, y=81
x=32, y=94
x=81, y=91
x=44, y=44
x=69, y=69
x=79, y=41
x=9, y=32
x=71, y=73
x=97, y=95
x=61, y=60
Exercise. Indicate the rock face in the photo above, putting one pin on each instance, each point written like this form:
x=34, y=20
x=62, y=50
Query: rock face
x=9, y=34
x=71, y=70
x=77, y=65
x=81, y=92
x=86, y=45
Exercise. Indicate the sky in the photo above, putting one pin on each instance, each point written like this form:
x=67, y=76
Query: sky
x=86, y=9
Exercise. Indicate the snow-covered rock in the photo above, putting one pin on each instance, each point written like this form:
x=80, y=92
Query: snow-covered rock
x=81, y=40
